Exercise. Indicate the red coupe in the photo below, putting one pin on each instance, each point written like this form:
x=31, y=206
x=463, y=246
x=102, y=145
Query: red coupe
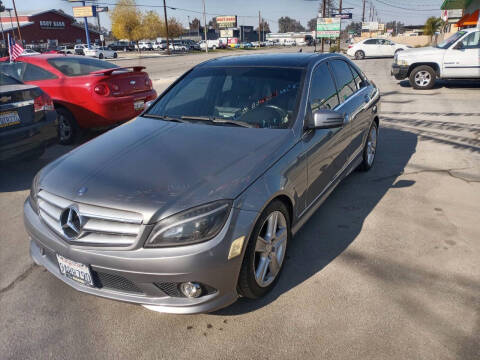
x=87, y=93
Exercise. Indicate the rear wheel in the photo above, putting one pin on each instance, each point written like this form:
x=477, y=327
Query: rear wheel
x=100, y=56
x=68, y=129
x=359, y=55
x=214, y=47
x=265, y=252
x=115, y=55
x=422, y=77
x=370, y=149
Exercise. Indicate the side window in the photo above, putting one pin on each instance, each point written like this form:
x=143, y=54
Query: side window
x=472, y=41
x=345, y=82
x=357, y=77
x=370, y=42
x=323, y=94
x=35, y=73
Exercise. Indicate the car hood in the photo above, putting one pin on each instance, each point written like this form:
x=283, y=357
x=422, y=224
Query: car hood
x=158, y=168
x=418, y=52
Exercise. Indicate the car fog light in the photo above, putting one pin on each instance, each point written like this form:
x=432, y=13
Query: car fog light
x=191, y=289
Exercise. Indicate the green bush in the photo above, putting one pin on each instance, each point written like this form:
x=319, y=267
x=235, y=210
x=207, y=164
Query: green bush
x=334, y=48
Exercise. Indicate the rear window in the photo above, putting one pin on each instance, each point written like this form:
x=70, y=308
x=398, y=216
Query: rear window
x=78, y=66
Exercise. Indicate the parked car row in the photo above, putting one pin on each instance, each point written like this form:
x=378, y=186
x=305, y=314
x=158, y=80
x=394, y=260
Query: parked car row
x=82, y=92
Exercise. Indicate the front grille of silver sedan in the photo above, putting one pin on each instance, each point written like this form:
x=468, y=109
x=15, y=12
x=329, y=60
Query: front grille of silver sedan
x=97, y=226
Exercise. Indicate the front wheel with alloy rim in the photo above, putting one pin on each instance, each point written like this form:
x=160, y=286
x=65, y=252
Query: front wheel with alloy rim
x=370, y=149
x=422, y=77
x=265, y=252
x=67, y=126
x=359, y=55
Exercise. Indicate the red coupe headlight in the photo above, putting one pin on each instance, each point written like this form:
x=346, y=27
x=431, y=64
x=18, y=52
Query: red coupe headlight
x=101, y=89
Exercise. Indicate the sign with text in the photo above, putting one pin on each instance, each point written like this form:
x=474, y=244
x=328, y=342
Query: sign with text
x=102, y=9
x=47, y=24
x=84, y=11
x=343, y=16
x=226, y=33
x=328, y=28
x=229, y=21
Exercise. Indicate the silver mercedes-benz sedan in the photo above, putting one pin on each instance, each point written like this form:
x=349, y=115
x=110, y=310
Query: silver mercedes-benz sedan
x=194, y=203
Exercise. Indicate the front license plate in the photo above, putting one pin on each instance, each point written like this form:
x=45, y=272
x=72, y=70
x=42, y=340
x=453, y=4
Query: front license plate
x=75, y=270
x=9, y=118
x=138, y=105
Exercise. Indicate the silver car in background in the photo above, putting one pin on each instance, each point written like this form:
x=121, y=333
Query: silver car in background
x=194, y=203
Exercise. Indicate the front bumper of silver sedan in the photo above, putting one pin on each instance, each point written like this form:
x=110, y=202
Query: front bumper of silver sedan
x=146, y=276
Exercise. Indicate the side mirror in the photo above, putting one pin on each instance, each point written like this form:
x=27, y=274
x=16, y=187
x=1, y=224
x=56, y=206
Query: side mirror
x=459, y=46
x=325, y=119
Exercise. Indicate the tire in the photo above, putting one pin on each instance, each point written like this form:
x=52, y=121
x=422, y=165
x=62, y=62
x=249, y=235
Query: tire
x=359, y=55
x=422, y=77
x=68, y=129
x=260, y=254
x=214, y=48
x=100, y=56
x=370, y=149
x=115, y=55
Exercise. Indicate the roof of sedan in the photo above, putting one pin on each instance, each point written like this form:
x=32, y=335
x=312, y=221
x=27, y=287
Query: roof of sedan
x=273, y=60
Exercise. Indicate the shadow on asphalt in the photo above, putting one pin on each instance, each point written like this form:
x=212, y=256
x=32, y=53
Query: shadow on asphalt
x=449, y=84
x=337, y=223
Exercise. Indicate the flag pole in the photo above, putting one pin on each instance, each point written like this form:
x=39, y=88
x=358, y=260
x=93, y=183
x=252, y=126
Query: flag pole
x=18, y=23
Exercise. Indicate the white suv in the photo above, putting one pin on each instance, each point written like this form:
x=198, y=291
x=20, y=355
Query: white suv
x=375, y=48
x=458, y=57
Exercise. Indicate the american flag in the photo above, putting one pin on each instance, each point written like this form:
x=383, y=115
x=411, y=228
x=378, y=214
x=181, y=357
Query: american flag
x=14, y=49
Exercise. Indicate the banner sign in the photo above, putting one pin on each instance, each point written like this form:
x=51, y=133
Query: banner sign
x=227, y=21
x=84, y=11
x=370, y=26
x=344, y=16
x=328, y=28
x=48, y=24
x=226, y=33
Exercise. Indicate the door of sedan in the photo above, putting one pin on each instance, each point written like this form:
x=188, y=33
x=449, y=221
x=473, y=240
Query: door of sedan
x=325, y=149
x=371, y=48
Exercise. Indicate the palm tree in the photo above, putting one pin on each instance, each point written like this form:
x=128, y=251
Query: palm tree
x=432, y=25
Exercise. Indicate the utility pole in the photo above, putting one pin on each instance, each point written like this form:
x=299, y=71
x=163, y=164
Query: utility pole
x=340, y=35
x=166, y=25
x=100, y=29
x=363, y=13
x=18, y=23
x=324, y=8
x=205, y=27
x=2, y=9
x=259, y=28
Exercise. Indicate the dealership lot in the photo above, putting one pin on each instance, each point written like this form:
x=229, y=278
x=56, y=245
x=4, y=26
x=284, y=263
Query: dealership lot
x=388, y=267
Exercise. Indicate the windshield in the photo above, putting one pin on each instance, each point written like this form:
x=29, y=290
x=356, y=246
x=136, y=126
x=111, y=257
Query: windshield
x=451, y=40
x=257, y=96
x=77, y=66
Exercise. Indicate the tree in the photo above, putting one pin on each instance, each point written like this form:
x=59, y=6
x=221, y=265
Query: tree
x=152, y=25
x=432, y=25
x=195, y=25
x=264, y=27
x=287, y=24
x=175, y=28
x=212, y=24
x=312, y=24
x=127, y=21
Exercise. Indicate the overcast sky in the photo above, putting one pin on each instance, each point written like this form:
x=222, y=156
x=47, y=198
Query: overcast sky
x=415, y=12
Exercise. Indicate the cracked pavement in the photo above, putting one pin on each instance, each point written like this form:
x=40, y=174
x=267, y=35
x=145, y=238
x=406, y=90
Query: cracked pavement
x=388, y=267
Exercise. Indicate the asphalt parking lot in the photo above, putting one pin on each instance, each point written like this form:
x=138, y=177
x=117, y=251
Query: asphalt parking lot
x=387, y=268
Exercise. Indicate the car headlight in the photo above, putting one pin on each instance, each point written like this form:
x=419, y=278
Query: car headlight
x=34, y=192
x=192, y=226
x=402, y=62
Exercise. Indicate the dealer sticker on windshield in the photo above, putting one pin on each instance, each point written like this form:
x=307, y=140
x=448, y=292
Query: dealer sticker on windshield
x=75, y=270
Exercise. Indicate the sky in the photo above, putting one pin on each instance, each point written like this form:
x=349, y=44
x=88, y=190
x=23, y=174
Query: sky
x=411, y=12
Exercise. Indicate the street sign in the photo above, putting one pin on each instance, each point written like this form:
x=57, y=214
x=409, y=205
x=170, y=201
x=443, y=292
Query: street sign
x=343, y=16
x=328, y=28
x=227, y=21
x=102, y=38
x=102, y=9
x=370, y=26
x=84, y=11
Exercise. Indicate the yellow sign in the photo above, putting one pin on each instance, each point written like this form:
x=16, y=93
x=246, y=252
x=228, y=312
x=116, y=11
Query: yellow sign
x=83, y=11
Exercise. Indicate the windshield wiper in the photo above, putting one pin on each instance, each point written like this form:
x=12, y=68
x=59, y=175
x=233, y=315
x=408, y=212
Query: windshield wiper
x=216, y=120
x=163, y=117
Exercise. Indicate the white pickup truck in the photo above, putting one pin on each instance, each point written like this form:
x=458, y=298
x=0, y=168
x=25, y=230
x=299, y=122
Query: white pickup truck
x=458, y=57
